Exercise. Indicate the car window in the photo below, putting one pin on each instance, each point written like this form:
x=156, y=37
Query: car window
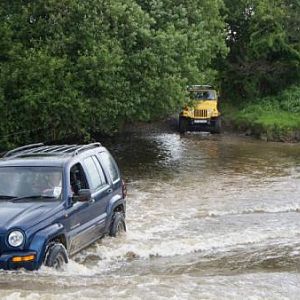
x=109, y=163
x=203, y=95
x=31, y=181
x=100, y=170
x=77, y=179
x=93, y=173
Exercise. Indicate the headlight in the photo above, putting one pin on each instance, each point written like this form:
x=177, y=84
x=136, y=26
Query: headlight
x=15, y=238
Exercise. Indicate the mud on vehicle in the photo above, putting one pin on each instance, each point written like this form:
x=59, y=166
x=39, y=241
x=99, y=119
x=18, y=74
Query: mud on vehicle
x=201, y=113
x=55, y=201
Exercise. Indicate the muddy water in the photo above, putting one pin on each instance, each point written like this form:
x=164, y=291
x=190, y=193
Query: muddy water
x=209, y=217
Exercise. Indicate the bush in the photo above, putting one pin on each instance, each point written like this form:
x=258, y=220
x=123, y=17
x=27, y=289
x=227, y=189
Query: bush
x=290, y=99
x=276, y=118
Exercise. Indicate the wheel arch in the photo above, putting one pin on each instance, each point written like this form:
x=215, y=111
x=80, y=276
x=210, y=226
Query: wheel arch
x=41, y=239
x=115, y=205
x=60, y=238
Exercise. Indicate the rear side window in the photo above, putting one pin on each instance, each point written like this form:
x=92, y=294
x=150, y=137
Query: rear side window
x=95, y=178
x=110, y=164
x=100, y=170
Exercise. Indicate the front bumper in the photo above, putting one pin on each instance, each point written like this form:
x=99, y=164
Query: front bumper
x=7, y=263
x=201, y=124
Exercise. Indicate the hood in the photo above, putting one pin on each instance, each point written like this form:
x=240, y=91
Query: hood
x=208, y=105
x=24, y=214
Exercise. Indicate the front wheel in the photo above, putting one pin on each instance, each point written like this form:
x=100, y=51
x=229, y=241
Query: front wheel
x=183, y=125
x=217, y=127
x=118, y=225
x=56, y=256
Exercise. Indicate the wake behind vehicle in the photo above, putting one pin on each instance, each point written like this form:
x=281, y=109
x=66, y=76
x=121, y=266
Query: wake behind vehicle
x=55, y=201
x=201, y=114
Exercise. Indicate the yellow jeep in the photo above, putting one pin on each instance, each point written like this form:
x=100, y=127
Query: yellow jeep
x=202, y=112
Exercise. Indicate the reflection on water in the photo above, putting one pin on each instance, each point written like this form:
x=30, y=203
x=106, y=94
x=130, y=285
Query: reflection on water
x=209, y=217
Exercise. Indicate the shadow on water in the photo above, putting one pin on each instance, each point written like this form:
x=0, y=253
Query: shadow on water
x=167, y=155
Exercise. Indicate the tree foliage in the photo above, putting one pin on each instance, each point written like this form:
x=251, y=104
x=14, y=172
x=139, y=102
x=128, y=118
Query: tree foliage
x=264, y=42
x=78, y=67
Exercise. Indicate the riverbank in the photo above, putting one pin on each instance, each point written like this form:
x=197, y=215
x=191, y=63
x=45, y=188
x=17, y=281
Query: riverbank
x=274, y=118
x=263, y=121
x=272, y=126
x=263, y=124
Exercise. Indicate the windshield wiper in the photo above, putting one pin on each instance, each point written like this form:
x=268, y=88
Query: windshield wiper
x=7, y=197
x=32, y=197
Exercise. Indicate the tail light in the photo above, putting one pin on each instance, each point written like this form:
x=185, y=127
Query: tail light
x=124, y=189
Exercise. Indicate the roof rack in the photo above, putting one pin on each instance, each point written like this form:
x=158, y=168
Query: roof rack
x=86, y=147
x=200, y=86
x=41, y=149
x=27, y=147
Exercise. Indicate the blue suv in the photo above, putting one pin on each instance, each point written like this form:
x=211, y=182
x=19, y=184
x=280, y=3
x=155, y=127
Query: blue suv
x=55, y=201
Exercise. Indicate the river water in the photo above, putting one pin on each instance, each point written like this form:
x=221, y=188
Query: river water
x=209, y=217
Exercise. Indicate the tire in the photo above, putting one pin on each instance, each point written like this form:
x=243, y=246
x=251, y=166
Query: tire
x=218, y=126
x=183, y=125
x=56, y=256
x=118, y=224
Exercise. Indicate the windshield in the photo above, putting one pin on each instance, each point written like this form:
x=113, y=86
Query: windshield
x=38, y=182
x=203, y=95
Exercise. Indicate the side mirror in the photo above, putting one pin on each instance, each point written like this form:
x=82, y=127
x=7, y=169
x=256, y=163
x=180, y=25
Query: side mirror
x=84, y=195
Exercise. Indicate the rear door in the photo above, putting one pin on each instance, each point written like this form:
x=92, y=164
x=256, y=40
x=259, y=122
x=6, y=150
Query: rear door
x=101, y=193
x=111, y=169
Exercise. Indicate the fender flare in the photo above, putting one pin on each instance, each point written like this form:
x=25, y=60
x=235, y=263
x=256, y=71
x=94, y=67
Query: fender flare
x=41, y=238
x=113, y=203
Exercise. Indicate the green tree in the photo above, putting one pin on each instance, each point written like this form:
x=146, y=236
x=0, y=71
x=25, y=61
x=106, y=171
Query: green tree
x=188, y=36
x=74, y=67
x=264, y=42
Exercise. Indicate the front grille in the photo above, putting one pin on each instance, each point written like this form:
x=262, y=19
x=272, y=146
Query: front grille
x=200, y=113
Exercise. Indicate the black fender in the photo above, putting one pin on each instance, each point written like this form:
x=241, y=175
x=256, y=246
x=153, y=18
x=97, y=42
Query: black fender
x=113, y=203
x=41, y=239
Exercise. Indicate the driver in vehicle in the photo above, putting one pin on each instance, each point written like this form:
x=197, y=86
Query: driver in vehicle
x=53, y=186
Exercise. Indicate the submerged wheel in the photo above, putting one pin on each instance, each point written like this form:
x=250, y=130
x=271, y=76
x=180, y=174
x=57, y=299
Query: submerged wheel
x=118, y=225
x=183, y=125
x=56, y=256
x=217, y=126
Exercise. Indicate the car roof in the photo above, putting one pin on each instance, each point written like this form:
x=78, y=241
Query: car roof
x=199, y=87
x=46, y=155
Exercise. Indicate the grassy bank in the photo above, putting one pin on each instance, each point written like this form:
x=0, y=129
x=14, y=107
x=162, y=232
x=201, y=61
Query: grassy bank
x=272, y=118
